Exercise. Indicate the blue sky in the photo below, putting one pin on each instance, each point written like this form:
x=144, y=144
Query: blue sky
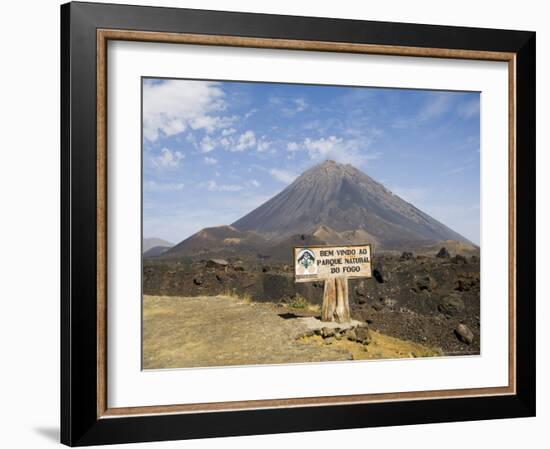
x=213, y=151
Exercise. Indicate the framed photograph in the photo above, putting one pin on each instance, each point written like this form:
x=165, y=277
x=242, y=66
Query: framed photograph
x=280, y=224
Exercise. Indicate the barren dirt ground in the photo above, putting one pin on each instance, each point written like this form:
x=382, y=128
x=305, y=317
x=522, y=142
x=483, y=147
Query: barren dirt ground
x=184, y=332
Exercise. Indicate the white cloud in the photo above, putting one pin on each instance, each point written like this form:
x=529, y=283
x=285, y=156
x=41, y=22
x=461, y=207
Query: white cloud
x=263, y=145
x=323, y=147
x=228, y=131
x=289, y=106
x=254, y=183
x=347, y=151
x=170, y=107
x=283, y=176
x=246, y=140
x=210, y=161
x=168, y=159
x=250, y=113
x=206, y=122
x=292, y=147
x=207, y=144
x=153, y=186
x=213, y=186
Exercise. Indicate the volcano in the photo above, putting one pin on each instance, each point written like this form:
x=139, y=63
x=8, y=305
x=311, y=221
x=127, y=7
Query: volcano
x=333, y=198
x=330, y=203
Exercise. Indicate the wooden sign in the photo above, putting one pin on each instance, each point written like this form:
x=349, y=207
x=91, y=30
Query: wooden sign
x=334, y=265
x=317, y=263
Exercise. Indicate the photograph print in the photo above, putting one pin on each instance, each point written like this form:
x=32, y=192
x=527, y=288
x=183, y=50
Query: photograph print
x=293, y=223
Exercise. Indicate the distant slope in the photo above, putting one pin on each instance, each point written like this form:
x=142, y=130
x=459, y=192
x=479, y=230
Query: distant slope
x=156, y=251
x=218, y=241
x=452, y=246
x=149, y=243
x=331, y=237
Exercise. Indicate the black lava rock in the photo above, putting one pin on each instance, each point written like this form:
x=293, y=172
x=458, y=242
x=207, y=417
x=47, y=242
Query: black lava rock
x=380, y=274
x=458, y=259
x=197, y=280
x=425, y=283
x=451, y=305
x=443, y=253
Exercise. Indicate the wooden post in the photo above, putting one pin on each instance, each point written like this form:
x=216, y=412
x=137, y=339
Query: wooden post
x=342, y=300
x=329, y=300
x=335, y=300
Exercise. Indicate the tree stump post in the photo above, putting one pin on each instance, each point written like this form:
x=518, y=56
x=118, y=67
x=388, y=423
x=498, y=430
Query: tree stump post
x=335, y=300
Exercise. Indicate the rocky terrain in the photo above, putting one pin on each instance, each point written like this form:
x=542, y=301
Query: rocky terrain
x=421, y=298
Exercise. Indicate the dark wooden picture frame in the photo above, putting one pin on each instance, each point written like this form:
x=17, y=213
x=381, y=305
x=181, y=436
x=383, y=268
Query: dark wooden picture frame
x=86, y=29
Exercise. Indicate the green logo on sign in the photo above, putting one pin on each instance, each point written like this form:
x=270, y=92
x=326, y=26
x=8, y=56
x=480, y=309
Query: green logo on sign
x=306, y=258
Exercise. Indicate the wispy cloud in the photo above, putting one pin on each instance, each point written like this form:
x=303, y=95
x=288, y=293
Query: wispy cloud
x=250, y=113
x=301, y=104
x=289, y=106
x=153, y=186
x=246, y=140
x=284, y=176
x=263, y=145
x=348, y=151
x=210, y=161
x=292, y=147
x=228, y=131
x=469, y=109
x=213, y=186
x=436, y=105
x=454, y=170
x=167, y=159
x=410, y=194
x=207, y=144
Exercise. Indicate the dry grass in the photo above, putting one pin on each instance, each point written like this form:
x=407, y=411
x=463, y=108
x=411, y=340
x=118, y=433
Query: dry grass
x=300, y=303
x=237, y=298
x=232, y=330
x=221, y=331
x=381, y=347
